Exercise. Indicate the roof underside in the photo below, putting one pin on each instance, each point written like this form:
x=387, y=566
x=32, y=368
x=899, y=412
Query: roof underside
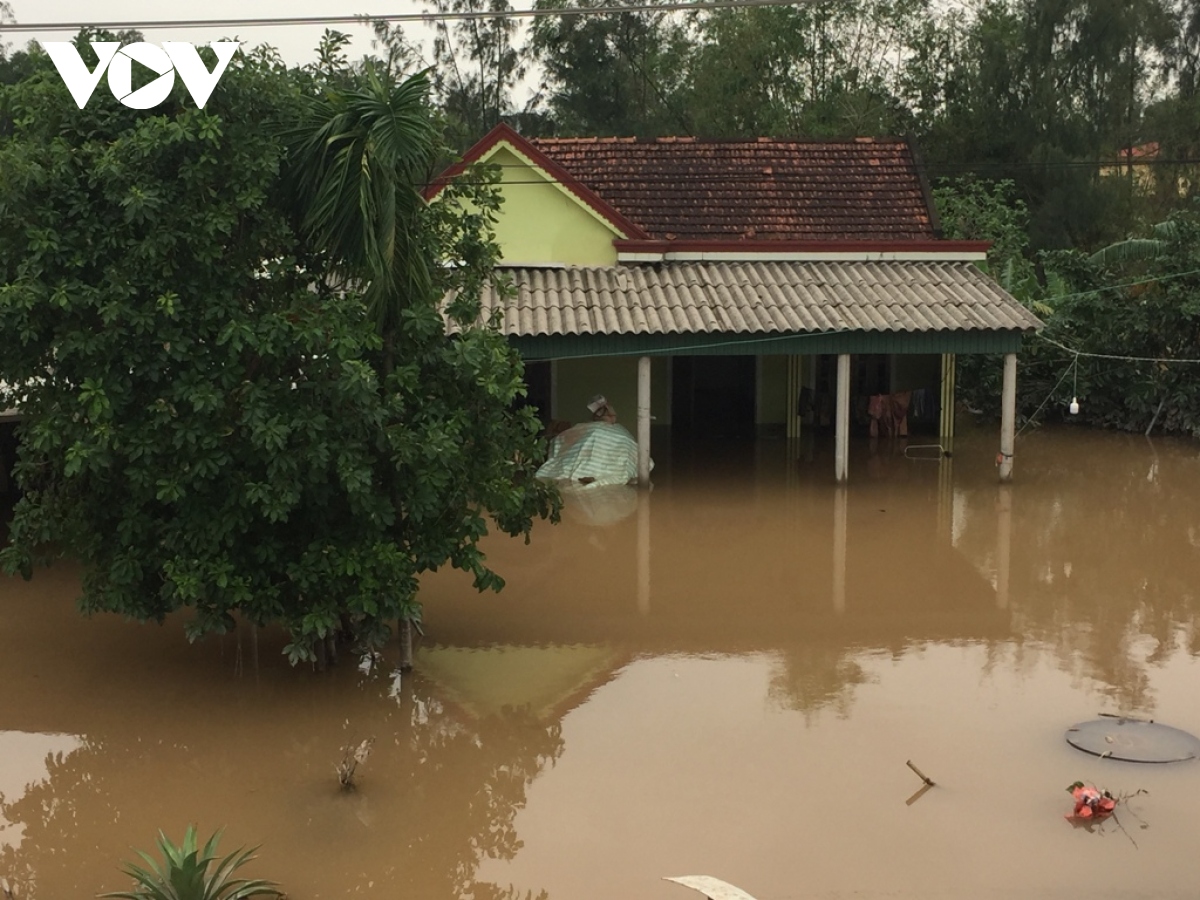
x=682, y=188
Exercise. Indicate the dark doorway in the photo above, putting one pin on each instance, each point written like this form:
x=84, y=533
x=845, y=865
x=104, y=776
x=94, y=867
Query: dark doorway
x=713, y=396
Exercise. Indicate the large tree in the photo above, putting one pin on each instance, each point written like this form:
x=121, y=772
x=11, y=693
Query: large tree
x=476, y=65
x=614, y=74
x=226, y=409
x=818, y=69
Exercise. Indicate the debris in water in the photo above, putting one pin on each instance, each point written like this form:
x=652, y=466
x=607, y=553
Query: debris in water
x=1090, y=802
x=352, y=757
x=925, y=778
x=712, y=888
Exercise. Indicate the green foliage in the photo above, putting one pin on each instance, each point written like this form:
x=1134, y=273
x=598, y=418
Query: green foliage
x=476, y=66
x=232, y=408
x=612, y=75
x=1137, y=298
x=359, y=151
x=188, y=872
x=819, y=69
x=972, y=209
x=1137, y=249
x=1152, y=311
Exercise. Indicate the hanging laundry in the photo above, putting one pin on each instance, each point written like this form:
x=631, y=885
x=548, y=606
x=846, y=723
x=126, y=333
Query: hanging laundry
x=889, y=413
x=920, y=403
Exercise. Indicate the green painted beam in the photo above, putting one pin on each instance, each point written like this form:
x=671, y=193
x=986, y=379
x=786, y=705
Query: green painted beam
x=859, y=342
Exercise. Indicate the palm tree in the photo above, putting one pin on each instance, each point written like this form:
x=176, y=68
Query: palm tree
x=360, y=154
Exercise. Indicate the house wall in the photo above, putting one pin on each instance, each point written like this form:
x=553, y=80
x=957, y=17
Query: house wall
x=541, y=223
x=578, y=380
x=772, y=391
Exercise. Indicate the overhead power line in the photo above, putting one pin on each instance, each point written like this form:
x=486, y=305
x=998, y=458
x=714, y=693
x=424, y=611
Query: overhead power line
x=363, y=18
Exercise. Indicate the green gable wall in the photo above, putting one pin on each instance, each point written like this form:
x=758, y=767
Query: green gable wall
x=542, y=223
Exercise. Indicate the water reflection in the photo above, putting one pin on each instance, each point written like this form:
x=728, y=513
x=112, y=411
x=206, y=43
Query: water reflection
x=29, y=760
x=701, y=678
x=1096, y=546
x=437, y=796
x=812, y=677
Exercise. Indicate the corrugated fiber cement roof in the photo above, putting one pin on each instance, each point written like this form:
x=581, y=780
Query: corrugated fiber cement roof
x=756, y=298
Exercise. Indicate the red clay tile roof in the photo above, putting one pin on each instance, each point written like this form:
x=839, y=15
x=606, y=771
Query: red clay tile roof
x=689, y=189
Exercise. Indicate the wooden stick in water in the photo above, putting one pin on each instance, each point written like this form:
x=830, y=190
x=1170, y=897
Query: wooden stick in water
x=925, y=778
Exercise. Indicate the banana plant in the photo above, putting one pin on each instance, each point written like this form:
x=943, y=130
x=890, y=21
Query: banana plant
x=1139, y=249
x=188, y=872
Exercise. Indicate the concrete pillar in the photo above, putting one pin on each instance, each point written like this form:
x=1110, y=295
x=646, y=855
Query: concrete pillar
x=841, y=463
x=1008, y=416
x=643, y=421
x=794, y=383
x=840, y=500
x=949, y=375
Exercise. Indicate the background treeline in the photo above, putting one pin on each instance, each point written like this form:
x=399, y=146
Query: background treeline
x=1045, y=93
x=1056, y=128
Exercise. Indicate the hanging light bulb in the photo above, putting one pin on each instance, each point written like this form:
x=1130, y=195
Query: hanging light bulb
x=1074, y=407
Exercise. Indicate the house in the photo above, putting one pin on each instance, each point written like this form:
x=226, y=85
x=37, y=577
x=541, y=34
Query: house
x=742, y=286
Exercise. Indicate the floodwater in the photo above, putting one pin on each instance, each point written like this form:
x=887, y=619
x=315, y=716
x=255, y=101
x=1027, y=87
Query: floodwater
x=724, y=677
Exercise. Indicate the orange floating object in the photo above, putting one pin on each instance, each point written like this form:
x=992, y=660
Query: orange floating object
x=1091, y=802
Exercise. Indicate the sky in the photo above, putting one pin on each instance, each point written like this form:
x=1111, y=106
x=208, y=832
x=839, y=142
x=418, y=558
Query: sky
x=295, y=42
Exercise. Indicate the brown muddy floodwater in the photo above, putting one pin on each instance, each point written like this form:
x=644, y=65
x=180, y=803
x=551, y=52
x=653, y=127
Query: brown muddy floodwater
x=724, y=677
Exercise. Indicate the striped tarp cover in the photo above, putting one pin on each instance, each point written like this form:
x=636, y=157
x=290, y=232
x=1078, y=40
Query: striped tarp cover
x=596, y=450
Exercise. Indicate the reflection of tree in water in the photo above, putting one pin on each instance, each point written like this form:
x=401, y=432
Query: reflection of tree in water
x=473, y=779
x=812, y=677
x=1105, y=556
x=457, y=783
x=54, y=797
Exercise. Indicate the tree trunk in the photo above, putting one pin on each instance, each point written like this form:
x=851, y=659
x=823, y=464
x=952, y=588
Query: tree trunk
x=406, y=645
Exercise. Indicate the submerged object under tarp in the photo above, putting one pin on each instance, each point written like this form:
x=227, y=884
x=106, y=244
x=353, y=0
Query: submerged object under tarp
x=1133, y=740
x=597, y=453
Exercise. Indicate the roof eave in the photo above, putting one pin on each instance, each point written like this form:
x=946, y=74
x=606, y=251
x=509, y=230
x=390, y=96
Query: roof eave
x=810, y=250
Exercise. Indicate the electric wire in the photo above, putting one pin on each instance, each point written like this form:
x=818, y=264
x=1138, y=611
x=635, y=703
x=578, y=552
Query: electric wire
x=1162, y=360
x=366, y=18
x=1029, y=421
x=1073, y=367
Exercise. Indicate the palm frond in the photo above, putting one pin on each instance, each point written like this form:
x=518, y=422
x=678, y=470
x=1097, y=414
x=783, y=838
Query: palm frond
x=1132, y=250
x=359, y=157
